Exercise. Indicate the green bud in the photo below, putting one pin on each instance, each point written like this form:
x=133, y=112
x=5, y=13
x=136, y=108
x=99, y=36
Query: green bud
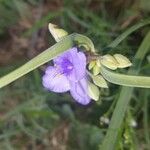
x=93, y=91
x=96, y=70
x=98, y=63
x=100, y=81
x=109, y=61
x=123, y=61
x=56, y=32
x=91, y=64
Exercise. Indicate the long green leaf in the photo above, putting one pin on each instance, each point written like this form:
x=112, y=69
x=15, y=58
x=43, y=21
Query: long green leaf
x=125, y=95
x=66, y=43
x=127, y=32
x=125, y=80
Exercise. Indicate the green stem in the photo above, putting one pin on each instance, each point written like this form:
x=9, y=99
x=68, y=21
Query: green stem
x=145, y=120
x=110, y=139
x=66, y=43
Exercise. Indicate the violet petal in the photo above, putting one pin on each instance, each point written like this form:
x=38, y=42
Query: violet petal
x=78, y=61
x=79, y=91
x=54, y=81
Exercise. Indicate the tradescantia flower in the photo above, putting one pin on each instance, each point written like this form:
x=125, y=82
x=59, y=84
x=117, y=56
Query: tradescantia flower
x=68, y=74
x=69, y=71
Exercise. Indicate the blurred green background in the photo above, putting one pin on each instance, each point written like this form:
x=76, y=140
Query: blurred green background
x=34, y=119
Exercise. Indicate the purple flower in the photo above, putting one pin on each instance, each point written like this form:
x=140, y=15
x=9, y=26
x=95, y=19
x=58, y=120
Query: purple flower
x=68, y=74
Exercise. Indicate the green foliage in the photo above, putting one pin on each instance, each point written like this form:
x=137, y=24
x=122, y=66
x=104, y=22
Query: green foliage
x=32, y=117
x=8, y=15
x=124, y=98
x=11, y=11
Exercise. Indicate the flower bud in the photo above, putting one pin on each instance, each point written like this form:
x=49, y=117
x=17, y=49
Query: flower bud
x=109, y=61
x=93, y=91
x=104, y=120
x=91, y=64
x=56, y=32
x=100, y=81
x=98, y=63
x=96, y=70
x=123, y=61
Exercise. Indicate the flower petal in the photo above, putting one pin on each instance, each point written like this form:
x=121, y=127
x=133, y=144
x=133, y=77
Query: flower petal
x=59, y=59
x=54, y=81
x=78, y=60
x=79, y=91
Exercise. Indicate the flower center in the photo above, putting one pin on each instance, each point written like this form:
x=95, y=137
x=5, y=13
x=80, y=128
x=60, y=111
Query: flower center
x=67, y=66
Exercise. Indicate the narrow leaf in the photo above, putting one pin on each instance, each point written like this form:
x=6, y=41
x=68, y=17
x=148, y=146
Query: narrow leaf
x=125, y=80
x=63, y=45
x=120, y=38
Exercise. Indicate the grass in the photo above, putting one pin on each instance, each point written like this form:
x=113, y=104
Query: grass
x=124, y=98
